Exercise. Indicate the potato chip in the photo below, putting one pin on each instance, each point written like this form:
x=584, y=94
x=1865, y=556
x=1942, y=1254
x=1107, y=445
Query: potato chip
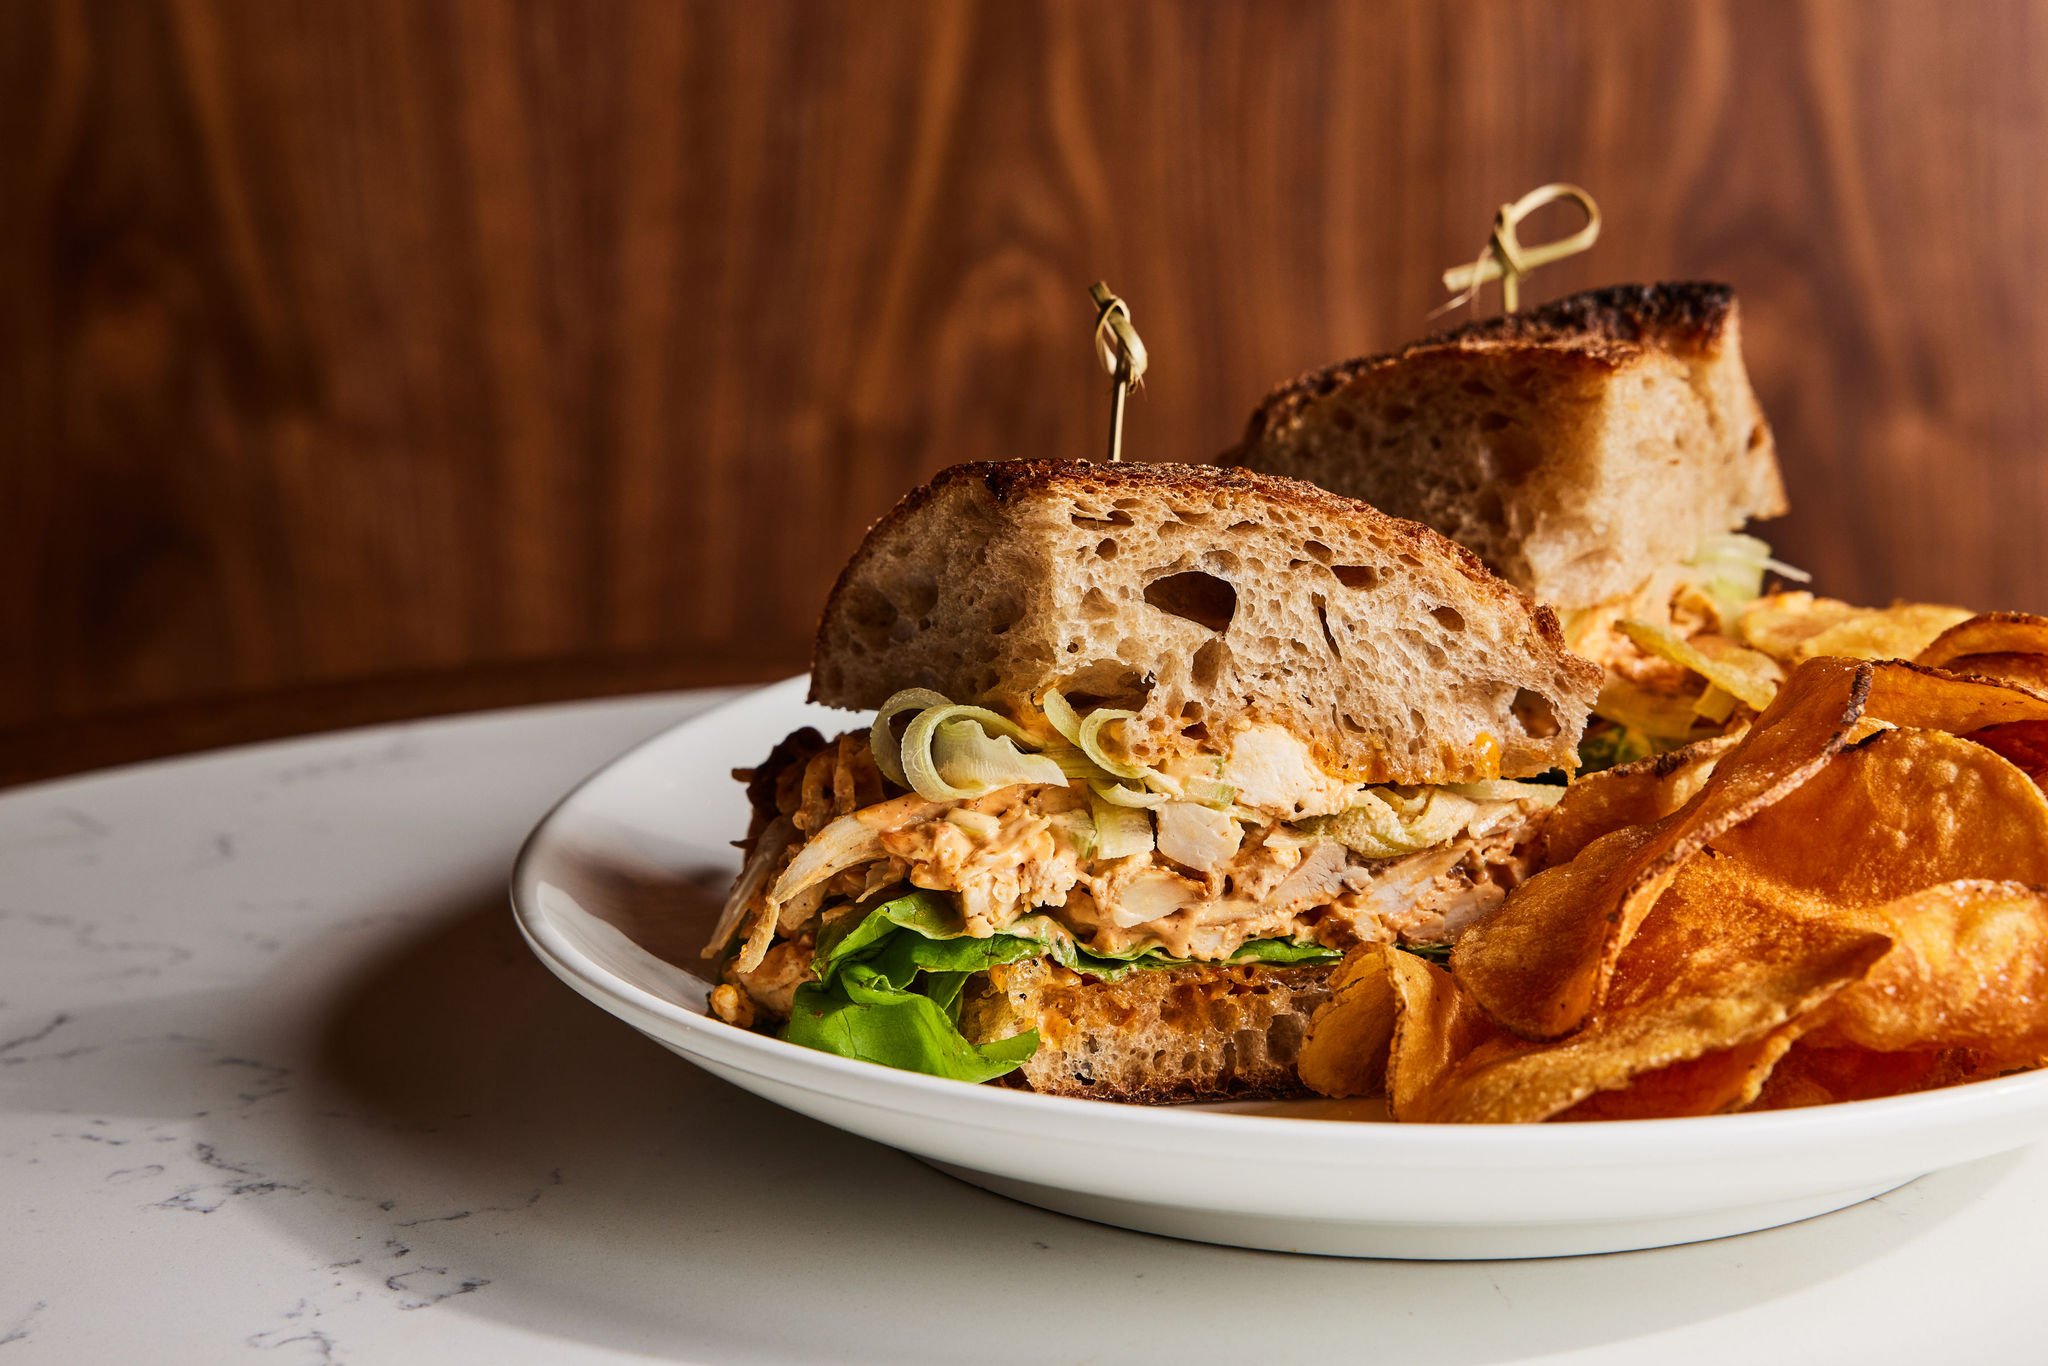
x=1345, y=1052
x=1897, y=632
x=1922, y=807
x=2023, y=744
x=1536, y=963
x=1795, y=627
x=1968, y=968
x=1633, y=794
x=1542, y=961
x=1716, y=704
x=1779, y=623
x=2001, y=634
x=1724, y=961
x=1437, y=1028
x=1713, y=1084
x=1935, y=699
x=1664, y=717
x=2011, y=647
x=1819, y=1075
x=2027, y=671
x=1747, y=674
x=1845, y=902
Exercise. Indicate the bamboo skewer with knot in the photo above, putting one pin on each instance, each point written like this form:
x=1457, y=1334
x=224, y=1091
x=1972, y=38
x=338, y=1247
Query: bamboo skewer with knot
x=1122, y=354
x=1505, y=259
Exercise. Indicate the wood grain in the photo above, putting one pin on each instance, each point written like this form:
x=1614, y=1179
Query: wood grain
x=389, y=339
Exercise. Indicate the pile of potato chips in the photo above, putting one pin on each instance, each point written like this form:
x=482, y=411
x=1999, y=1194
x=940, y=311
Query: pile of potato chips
x=1848, y=899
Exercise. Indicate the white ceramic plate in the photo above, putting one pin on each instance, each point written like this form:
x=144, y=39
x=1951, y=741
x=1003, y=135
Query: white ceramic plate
x=616, y=889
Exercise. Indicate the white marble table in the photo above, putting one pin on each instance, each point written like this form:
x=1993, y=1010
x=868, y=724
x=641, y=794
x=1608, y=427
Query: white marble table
x=278, y=1082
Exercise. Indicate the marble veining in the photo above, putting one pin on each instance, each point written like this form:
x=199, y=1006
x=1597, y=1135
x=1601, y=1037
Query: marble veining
x=170, y=940
x=278, y=1081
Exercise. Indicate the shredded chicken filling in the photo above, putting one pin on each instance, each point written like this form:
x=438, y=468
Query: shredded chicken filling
x=828, y=839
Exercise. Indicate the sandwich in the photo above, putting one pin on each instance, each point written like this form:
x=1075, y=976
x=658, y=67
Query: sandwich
x=1149, y=747
x=1604, y=454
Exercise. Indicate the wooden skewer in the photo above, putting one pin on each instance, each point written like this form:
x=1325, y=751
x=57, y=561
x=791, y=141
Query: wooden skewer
x=1122, y=354
x=1505, y=259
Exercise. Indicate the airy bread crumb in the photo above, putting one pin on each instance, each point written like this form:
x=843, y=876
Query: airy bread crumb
x=1577, y=448
x=1207, y=599
x=1159, y=1035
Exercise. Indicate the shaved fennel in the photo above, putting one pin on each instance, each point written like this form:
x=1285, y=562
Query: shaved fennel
x=954, y=752
x=882, y=740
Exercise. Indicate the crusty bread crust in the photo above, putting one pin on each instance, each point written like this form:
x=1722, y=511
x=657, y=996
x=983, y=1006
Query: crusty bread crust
x=1577, y=448
x=1158, y=1036
x=1207, y=599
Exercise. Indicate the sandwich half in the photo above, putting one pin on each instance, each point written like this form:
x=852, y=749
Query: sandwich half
x=1151, y=746
x=1602, y=453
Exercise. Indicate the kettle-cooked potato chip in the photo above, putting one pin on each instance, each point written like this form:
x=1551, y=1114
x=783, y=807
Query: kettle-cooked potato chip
x=1779, y=623
x=1795, y=627
x=1749, y=675
x=1897, y=632
x=1935, y=699
x=2028, y=671
x=1542, y=961
x=1926, y=808
x=2023, y=744
x=1345, y=1052
x=1712, y=1084
x=1848, y=901
x=1636, y=793
x=1968, y=968
x=2001, y=635
x=1438, y=1028
x=1726, y=960
x=1818, y=1075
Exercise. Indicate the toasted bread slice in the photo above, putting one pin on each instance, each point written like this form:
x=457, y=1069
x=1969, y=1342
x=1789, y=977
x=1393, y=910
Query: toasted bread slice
x=1207, y=600
x=1154, y=1037
x=1577, y=448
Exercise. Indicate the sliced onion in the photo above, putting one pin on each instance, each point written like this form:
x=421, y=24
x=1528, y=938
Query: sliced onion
x=1062, y=715
x=1788, y=571
x=1078, y=767
x=1078, y=828
x=1730, y=566
x=969, y=757
x=1443, y=816
x=980, y=754
x=1089, y=738
x=882, y=742
x=1120, y=830
x=1116, y=794
x=1375, y=829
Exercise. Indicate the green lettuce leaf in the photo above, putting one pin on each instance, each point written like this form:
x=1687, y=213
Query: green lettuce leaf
x=889, y=983
x=1610, y=746
x=1278, y=952
x=861, y=1016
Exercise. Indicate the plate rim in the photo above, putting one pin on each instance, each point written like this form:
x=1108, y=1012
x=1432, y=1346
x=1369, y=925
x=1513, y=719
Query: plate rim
x=1589, y=1142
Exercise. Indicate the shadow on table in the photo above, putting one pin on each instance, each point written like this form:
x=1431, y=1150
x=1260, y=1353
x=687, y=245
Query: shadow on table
x=530, y=1160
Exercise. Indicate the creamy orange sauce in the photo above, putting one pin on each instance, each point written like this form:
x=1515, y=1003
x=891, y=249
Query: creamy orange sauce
x=1029, y=849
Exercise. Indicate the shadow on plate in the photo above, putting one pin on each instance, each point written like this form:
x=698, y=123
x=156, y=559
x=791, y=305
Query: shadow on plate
x=524, y=1157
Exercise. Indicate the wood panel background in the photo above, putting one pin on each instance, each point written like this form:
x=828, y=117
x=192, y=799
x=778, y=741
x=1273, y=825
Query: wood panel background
x=347, y=343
